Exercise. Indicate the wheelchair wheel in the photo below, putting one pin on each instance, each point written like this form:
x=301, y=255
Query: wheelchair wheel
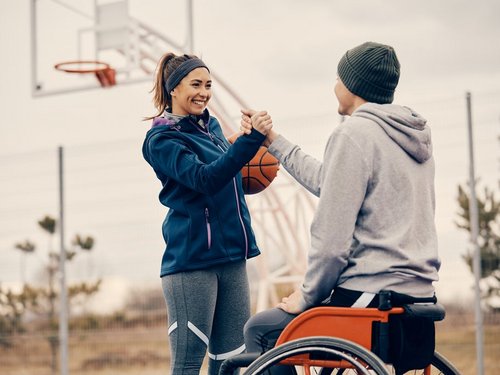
x=311, y=354
x=439, y=366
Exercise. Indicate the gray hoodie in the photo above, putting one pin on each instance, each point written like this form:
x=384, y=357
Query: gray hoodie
x=374, y=225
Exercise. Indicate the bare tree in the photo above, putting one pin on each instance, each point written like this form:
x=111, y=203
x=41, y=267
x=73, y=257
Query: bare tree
x=488, y=241
x=26, y=247
x=43, y=300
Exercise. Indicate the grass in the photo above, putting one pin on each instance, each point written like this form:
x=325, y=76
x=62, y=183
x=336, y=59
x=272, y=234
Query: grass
x=458, y=344
x=144, y=351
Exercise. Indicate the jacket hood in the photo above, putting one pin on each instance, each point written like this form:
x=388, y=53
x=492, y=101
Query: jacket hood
x=163, y=124
x=403, y=125
x=177, y=124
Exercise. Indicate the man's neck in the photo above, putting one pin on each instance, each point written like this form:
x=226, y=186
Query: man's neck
x=358, y=102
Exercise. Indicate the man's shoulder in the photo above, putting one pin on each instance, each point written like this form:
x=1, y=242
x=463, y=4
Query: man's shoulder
x=358, y=127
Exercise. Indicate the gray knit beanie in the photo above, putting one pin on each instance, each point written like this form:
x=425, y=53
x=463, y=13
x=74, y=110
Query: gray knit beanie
x=370, y=71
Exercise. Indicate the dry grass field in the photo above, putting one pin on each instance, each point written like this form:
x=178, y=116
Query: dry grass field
x=458, y=344
x=143, y=350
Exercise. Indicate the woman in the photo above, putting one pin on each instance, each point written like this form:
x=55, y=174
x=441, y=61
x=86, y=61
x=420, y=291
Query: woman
x=207, y=229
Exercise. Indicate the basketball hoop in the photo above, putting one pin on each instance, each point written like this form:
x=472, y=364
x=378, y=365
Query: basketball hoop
x=104, y=73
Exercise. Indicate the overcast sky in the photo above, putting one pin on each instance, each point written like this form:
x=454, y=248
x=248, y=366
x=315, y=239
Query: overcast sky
x=279, y=55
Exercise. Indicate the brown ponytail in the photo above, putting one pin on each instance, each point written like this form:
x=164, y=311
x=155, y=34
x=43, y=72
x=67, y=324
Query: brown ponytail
x=167, y=64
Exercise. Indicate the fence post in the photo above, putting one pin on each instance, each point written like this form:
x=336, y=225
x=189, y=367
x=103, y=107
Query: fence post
x=474, y=225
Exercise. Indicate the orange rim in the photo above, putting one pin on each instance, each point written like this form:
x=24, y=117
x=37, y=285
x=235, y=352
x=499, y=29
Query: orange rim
x=63, y=66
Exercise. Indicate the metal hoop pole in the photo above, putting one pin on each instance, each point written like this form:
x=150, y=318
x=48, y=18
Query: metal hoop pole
x=63, y=313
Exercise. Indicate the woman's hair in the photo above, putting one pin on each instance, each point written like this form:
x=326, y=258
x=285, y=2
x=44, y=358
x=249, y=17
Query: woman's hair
x=167, y=64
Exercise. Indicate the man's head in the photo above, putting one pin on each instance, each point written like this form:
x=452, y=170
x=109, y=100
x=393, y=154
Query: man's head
x=370, y=71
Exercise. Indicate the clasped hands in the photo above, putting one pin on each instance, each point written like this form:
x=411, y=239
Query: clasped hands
x=260, y=121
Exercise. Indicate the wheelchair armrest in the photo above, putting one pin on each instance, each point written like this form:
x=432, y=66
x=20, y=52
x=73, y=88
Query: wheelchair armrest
x=434, y=312
x=389, y=299
x=230, y=365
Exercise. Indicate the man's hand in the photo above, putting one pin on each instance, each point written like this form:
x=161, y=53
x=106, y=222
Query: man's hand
x=260, y=121
x=292, y=304
x=252, y=119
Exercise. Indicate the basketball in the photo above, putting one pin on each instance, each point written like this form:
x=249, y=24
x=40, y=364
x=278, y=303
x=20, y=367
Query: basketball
x=259, y=172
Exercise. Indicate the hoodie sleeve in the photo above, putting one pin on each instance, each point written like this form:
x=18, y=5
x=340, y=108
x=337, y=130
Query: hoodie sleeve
x=345, y=181
x=303, y=167
x=172, y=158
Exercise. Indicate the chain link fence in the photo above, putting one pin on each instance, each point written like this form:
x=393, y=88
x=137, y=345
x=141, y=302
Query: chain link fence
x=118, y=320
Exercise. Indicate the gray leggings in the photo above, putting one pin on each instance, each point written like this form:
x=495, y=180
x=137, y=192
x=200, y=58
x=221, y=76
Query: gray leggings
x=206, y=308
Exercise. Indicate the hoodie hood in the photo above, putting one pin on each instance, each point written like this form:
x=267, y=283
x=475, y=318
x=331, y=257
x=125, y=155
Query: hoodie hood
x=403, y=125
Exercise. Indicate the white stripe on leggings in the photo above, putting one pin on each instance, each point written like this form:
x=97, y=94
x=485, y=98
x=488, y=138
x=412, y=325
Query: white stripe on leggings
x=172, y=327
x=222, y=356
x=198, y=333
x=364, y=300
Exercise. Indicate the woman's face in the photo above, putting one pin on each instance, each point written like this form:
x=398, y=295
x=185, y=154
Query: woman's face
x=192, y=94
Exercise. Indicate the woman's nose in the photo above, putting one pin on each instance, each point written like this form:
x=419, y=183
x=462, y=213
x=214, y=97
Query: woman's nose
x=204, y=92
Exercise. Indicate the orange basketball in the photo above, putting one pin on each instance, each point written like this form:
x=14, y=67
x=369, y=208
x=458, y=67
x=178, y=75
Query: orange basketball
x=259, y=172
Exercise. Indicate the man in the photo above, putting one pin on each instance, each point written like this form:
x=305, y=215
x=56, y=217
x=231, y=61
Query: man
x=374, y=228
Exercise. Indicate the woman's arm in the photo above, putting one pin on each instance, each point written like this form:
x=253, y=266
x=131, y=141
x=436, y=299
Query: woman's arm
x=171, y=157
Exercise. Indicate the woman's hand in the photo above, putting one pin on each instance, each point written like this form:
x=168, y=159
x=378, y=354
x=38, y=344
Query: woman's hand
x=253, y=119
x=246, y=120
x=260, y=121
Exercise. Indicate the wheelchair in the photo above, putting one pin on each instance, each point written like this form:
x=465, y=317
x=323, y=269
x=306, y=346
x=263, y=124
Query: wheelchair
x=397, y=338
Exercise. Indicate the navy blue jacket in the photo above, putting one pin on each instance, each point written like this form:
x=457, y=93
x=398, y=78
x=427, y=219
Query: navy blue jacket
x=208, y=221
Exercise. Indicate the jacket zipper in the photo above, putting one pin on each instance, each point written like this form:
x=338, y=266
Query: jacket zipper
x=207, y=132
x=239, y=216
x=209, y=230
